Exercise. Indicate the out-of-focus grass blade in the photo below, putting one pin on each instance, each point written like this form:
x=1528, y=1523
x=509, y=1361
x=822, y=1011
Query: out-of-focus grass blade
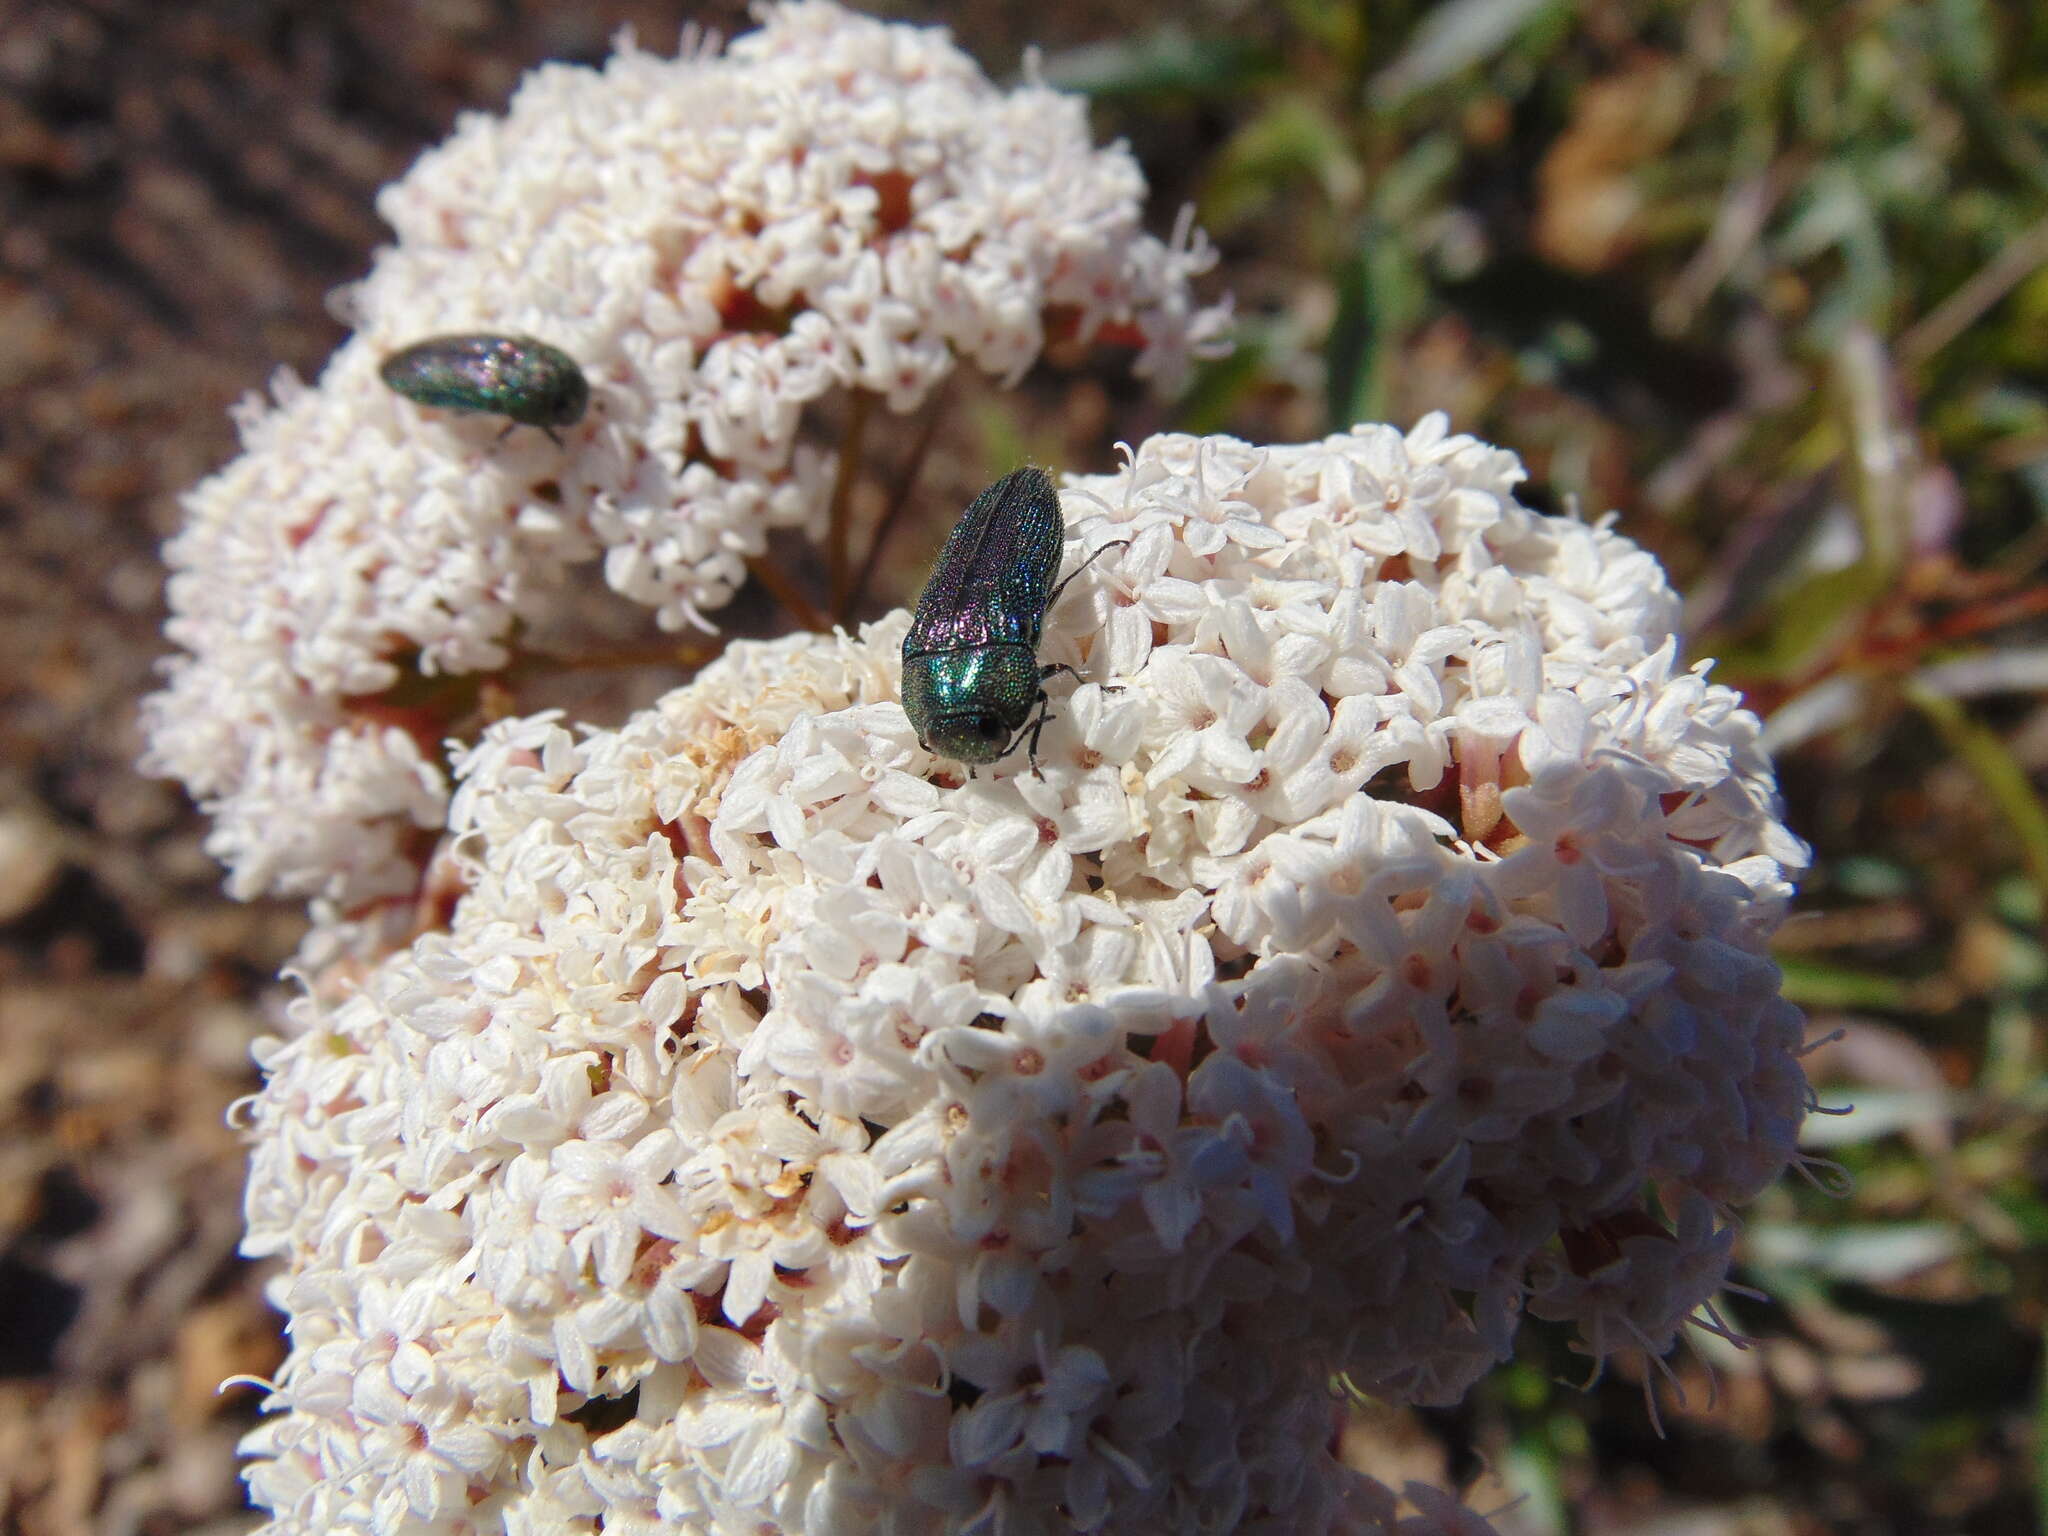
x=1876, y=456
x=1815, y=612
x=2033, y=477
x=1380, y=293
x=1964, y=42
x=2019, y=903
x=1815, y=984
x=2012, y=669
x=2012, y=1052
x=1965, y=305
x=1868, y=877
x=1338, y=31
x=1782, y=607
x=1836, y=701
x=1865, y=1254
x=1221, y=383
x=1293, y=140
x=1167, y=61
x=1806, y=619
x=1452, y=37
x=2022, y=961
x=1960, y=34
x=2026, y=1210
x=1985, y=754
x=1833, y=212
x=1413, y=185
x=1861, y=436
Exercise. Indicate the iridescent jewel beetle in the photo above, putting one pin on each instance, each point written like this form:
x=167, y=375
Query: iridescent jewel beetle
x=533, y=383
x=971, y=676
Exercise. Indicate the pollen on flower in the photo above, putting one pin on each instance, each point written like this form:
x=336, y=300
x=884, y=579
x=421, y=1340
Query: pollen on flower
x=1047, y=1178
x=720, y=240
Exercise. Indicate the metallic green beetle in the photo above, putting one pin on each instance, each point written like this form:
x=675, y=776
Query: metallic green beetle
x=533, y=383
x=971, y=676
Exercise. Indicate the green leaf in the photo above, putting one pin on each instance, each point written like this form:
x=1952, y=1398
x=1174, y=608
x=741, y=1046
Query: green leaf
x=2026, y=1210
x=2019, y=903
x=1381, y=293
x=1164, y=62
x=1985, y=754
x=1415, y=184
x=1838, y=217
x=1336, y=29
x=1876, y=458
x=1222, y=383
x=1292, y=140
x=1870, y=877
x=1808, y=618
x=2012, y=1050
x=1449, y=39
x=1816, y=984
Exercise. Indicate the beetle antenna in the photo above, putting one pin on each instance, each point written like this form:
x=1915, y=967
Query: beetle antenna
x=1077, y=570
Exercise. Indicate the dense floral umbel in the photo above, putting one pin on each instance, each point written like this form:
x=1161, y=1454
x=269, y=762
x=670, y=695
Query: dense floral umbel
x=791, y=1134
x=718, y=241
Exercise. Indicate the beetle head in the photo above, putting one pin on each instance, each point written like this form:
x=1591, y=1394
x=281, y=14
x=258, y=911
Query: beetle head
x=973, y=736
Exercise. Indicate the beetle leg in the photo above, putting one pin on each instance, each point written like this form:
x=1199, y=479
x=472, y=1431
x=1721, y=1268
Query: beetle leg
x=1077, y=570
x=1032, y=729
x=1031, y=751
x=1054, y=668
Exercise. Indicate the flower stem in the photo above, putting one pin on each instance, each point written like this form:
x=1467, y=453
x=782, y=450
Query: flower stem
x=788, y=593
x=846, y=605
x=673, y=653
x=840, y=531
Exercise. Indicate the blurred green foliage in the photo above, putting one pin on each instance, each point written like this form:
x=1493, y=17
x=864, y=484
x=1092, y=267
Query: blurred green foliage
x=1771, y=279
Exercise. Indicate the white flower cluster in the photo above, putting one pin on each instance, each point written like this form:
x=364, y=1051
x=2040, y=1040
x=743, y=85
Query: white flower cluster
x=791, y=1133
x=720, y=241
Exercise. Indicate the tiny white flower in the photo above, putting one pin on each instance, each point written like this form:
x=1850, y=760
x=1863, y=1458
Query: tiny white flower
x=609, y=1197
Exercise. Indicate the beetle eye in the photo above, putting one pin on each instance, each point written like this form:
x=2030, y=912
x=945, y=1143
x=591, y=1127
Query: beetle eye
x=990, y=728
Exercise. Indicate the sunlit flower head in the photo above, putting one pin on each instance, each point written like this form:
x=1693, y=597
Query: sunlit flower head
x=790, y=1132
